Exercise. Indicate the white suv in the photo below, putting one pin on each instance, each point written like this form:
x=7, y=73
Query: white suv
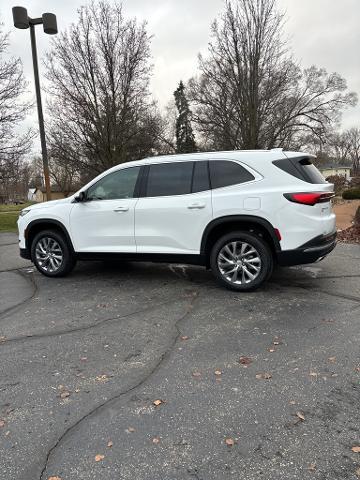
x=235, y=212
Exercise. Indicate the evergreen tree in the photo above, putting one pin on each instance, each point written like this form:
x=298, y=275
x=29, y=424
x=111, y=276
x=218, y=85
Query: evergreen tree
x=185, y=140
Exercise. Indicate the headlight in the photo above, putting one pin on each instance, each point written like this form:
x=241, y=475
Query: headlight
x=24, y=212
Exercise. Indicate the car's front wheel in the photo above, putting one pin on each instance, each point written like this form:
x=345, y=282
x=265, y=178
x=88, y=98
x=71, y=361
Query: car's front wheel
x=51, y=254
x=241, y=261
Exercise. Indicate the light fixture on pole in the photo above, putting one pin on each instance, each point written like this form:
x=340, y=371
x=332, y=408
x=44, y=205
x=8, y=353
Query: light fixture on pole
x=23, y=21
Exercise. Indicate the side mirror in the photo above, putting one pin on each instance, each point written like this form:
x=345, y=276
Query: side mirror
x=81, y=197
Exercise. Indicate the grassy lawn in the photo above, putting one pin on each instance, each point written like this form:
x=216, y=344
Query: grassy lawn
x=8, y=221
x=14, y=208
x=9, y=215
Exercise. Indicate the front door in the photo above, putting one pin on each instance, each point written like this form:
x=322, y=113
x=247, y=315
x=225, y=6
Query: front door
x=105, y=221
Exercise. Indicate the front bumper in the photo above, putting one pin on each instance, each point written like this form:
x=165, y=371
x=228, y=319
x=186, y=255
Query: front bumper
x=312, y=251
x=24, y=253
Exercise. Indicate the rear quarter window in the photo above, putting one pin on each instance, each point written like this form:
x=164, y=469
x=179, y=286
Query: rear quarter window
x=224, y=173
x=301, y=168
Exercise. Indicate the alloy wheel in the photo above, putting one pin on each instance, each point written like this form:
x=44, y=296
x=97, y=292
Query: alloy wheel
x=239, y=262
x=49, y=254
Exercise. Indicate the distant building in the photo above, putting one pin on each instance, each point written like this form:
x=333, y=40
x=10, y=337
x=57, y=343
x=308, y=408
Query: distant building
x=31, y=194
x=38, y=194
x=330, y=170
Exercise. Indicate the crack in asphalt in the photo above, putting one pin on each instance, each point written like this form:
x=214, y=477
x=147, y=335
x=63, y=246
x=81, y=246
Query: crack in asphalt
x=318, y=290
x=6, y=312
x=87, y=327
x=100, y=407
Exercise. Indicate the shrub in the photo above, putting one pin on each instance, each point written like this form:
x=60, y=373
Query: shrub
x=355, y=182
x=351, y=194
x=338, y=181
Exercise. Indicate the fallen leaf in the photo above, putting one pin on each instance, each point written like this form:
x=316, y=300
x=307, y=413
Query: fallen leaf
x=312, y=467
x=102, y=378
x=263, y=376
x=196, y=374
x=156, y=440
x=271, y=350
x=64, y=394
x=218, y=372
x=332, y=359
x=54, y=478
x=356, y=449
x=313, y=374
x=2, y=339
x=245, y=360
x=130, y=429
x=158, y=402
x=7, y=433
x=184, y=337
x=229, y=442
x=110, y=444
x=357, y=369
x=301, y=416
x=2, y=423
x=292, y=402
x=99, y=457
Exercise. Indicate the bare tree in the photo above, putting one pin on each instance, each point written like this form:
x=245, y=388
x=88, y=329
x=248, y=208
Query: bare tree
x=353, y=139
x=251, y=94
x=13, y=146
x=98, y=72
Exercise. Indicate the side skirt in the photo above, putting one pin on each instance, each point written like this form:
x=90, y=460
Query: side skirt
x=144, y=257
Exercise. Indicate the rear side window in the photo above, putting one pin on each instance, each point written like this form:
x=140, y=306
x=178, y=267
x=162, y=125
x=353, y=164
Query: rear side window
x=301, y=168
x=224, y=173
x=201, y=177
x=169, y=179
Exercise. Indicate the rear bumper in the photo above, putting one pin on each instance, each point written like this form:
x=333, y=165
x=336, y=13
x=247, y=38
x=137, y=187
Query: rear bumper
x=310, y=252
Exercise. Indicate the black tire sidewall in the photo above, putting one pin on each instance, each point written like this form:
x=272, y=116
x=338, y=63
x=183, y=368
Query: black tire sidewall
x=68, y=257
x=263, y=250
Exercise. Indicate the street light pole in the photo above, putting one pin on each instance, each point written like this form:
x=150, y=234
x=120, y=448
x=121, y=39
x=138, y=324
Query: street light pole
x=40, y=113
x=22, y=21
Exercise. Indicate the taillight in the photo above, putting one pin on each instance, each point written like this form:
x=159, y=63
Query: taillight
x=309, y=198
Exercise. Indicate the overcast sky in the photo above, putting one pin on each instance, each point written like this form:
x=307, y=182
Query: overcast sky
x=322, y=32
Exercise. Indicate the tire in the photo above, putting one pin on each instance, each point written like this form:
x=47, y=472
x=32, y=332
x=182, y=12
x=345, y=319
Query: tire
x=51, y=254
x=241, y=261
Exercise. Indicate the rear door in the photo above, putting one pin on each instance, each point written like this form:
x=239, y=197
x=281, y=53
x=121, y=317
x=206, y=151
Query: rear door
x=175, y=209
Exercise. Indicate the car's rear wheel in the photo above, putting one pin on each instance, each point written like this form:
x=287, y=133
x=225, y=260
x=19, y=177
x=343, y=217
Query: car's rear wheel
x=241, y=261
x=51, y=254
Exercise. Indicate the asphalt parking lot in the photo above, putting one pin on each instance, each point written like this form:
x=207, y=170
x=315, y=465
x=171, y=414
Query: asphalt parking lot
x=154, y=372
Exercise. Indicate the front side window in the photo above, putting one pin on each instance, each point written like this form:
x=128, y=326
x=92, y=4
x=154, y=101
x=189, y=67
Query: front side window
x=116, y=185
x=166, y=179
x=224, y=173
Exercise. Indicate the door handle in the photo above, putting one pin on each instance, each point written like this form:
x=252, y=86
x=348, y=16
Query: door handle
x=196, y=205
x=121, y=209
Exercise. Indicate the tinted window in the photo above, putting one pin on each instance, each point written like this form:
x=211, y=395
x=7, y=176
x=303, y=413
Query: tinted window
x=301, y=168
x=224, y=173
x=119, y=184
x=311, y=172
x=201, y=177
x=169, y=179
